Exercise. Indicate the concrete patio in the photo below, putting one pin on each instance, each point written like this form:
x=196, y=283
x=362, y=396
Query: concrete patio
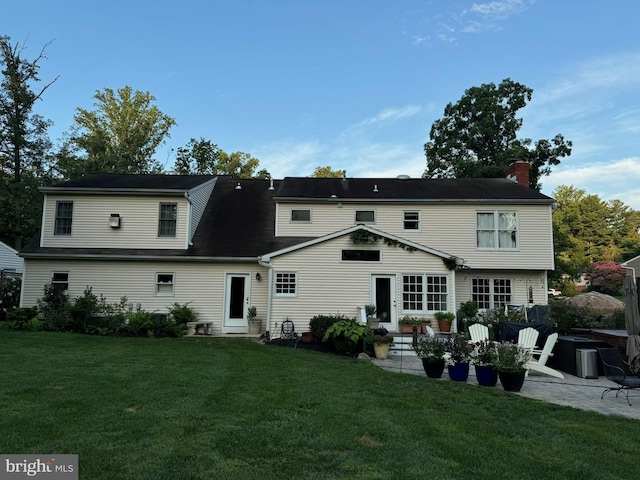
x=571, y=391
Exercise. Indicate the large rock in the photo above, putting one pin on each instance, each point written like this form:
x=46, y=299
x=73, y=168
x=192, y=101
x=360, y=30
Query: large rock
x=596, y=302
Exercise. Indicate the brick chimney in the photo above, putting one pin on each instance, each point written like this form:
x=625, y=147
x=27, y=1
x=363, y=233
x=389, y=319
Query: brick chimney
x=518, y=172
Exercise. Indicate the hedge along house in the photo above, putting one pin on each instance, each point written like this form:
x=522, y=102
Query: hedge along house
x=294, y=248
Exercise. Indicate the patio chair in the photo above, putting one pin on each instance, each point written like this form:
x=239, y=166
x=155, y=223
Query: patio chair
x=430, y=331
x=527, y=338
x=616, y=370
x=478, y=332
x=540, y=364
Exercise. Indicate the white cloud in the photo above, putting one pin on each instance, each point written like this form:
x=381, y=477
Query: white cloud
x=391, y=114
x=290, y=157
x=609, y=180
x=498, y=9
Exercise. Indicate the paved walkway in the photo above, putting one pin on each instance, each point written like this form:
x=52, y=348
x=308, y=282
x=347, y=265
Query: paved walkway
x=573, y=391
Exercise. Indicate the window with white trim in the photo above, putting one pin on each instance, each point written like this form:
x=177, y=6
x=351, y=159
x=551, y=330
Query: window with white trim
x=286, y=284
x=60, y=281
x=411, y=221
x=491, y=293
x=300, y=215
x=164, y=284
x=497, y=230
x=365, y=216
x=64, y=218
x=424, y=293
x=167, y=219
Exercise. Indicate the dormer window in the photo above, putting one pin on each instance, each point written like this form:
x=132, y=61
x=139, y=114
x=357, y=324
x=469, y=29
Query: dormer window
x=365, y=216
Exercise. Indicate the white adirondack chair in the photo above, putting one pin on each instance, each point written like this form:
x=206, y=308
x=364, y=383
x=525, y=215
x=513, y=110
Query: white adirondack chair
x=430, y=331
x=478, y=332
x=540, y=364
x=527, y=338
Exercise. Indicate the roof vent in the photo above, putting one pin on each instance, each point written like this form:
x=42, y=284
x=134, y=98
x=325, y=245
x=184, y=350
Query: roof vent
x=375, y=188
x=271, y=183
x=238, y=187
x=403, y=177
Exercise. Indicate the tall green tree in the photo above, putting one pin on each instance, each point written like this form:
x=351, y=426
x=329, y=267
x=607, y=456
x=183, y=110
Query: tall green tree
x=121, y=135
x=328, y=172
x=24, y=144
x=478, y=136
x=203, y=157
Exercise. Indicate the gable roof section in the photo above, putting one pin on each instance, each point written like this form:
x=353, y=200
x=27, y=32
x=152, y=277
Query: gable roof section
x=419, y=190
x=348, y=231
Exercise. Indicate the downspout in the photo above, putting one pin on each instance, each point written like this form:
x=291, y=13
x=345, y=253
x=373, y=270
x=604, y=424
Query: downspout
x=189, y=208
x=453, y=298
x=269, y=291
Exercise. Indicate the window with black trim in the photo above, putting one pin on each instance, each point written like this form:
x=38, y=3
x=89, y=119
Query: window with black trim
x=365, y=216
x=286, y=284
x=60, y=281
x=411, y=221
x=361, y=255
x=300, y=215
x=64, y=218
x=167, y=219
x=164, y=284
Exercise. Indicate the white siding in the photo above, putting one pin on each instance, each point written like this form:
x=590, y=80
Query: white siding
x=9, y=259
x=327, y=285
x=202, y=284
x=90, y=226
x=448, y=228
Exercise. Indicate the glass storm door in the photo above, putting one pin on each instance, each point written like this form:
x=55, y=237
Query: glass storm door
x=383, y=296
x=236, y=303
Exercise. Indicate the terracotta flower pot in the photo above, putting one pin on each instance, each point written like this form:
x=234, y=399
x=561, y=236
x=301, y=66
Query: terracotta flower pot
x=444, y=326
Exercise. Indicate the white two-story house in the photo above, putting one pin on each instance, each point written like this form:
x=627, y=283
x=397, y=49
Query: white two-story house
x=294, y=248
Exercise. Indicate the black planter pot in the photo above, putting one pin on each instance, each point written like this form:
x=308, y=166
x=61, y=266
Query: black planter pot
x=433, y=368
x=486, y=375
x=512, y=381
x=459, y=372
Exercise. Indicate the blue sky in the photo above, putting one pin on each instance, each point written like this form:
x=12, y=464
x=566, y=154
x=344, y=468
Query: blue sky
x=353, y=84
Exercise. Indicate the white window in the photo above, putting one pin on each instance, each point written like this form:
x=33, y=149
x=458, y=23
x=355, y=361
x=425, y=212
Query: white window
x=424, y=293
x=411, y=221
x=498, y=230
x=491, y=293
x=64, y=218
x=167, y=219
x=60, y=281
x=300, y=215
x=164, y=284
x=286, y=284
x=365, y=216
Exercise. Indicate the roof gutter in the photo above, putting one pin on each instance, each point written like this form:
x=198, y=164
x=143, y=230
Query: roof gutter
x=142, y=258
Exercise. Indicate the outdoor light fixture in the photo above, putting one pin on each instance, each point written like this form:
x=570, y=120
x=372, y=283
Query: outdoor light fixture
x=114, y=220
x=258, y=276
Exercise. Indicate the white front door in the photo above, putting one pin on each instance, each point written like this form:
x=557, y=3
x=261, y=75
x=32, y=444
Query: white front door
x=383, y=296
x=236, y=303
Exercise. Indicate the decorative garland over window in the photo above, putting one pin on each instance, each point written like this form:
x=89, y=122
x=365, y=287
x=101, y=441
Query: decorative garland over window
x=362, y=236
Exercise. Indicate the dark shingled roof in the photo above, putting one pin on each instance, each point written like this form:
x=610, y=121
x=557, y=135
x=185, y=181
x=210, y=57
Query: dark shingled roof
x=114, y=181
x=410, y=189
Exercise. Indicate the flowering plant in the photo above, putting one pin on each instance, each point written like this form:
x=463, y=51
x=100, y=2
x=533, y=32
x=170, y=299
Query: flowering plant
x=430, y=347
x=511, y=357
x=459, y=350
x=484, y=353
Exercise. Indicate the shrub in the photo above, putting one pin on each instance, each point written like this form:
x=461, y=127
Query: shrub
x=348, y=336
x=319, y=324
x=53, y=308
x=9, y=295
x=564, y=317
x=183, y=314
x=606, y=277
x=82, y=311
x=140, y=323
x=17, y=319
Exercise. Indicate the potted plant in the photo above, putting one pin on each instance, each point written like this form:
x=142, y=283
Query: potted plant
x=444, y=320
x=511, y=364
x=408, y=322
x=459, y=357
x=381, y=345
x=254, y=322
x=370, y=311
x=483, y=357
x=431, y=350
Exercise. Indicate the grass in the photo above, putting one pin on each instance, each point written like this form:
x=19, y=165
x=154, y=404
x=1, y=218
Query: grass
x=138, y=408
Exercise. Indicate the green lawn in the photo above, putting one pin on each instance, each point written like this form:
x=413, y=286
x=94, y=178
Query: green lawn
x=137, y=408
